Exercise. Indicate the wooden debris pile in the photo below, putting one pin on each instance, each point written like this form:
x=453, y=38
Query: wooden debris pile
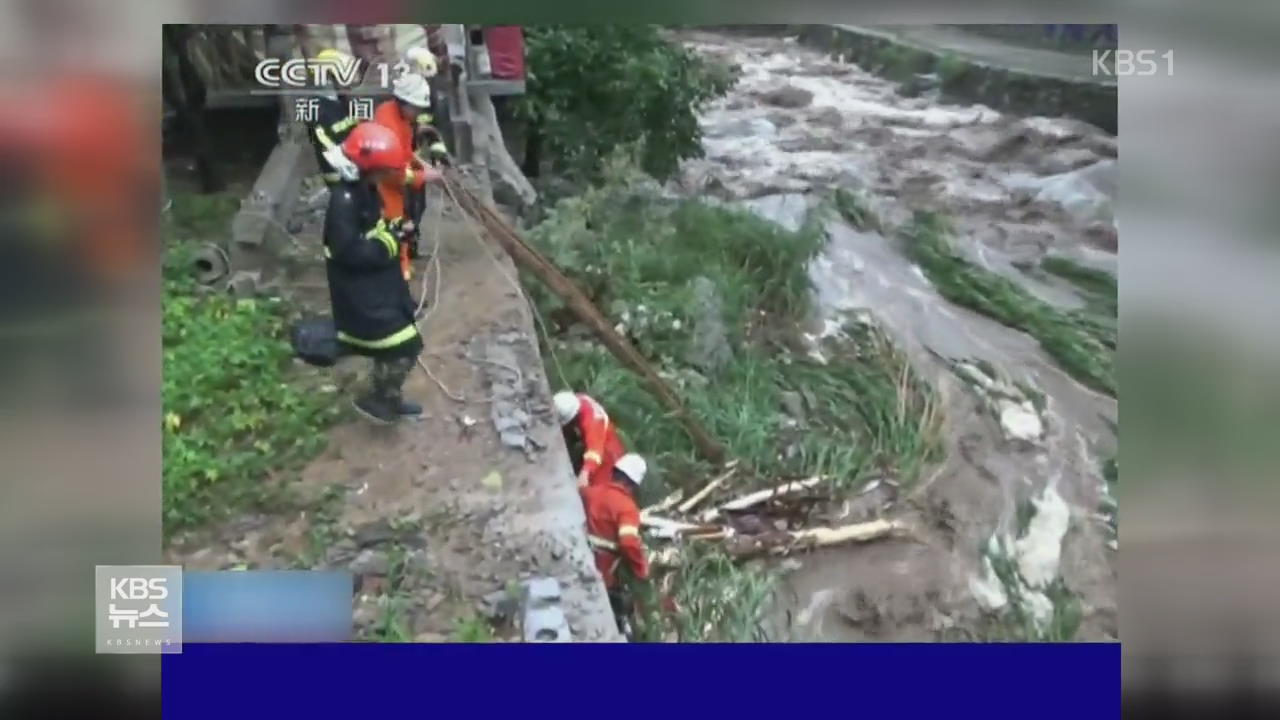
x=751, y=525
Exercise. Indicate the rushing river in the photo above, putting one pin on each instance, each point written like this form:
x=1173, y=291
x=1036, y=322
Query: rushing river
x=1015, y=190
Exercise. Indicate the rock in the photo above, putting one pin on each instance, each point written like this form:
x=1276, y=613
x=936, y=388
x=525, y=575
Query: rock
x=245, y=283
x=1018, y=423
x=710, y=351
x=374, y=533
x=498, y=605
x=1103, y=235
x=788, y=210
x=742, y=127
x=788, y=96
x=793, y=404
x=1065, y=160
x=371, y=562
x=782, y=119
x=811, y=143
x=365, y=615
x=827, y=117
x=430, y=637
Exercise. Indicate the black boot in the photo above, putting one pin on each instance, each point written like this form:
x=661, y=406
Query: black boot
x=376, y=409
x=410, y=410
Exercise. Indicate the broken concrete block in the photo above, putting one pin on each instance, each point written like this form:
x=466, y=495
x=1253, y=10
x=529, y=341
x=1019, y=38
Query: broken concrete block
x=546, y=625
x=543, y=591
x=244, y=283
x=544, y=620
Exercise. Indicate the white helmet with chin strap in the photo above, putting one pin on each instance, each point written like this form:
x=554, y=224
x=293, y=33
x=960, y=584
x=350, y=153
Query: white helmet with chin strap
x=567, y=406
x=633, y=466
x=423, y=61
x=413, y=89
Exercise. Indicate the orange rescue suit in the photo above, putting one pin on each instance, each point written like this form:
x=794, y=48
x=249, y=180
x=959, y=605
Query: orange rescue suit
x=613, y=530
x=391, y=189
x=602, y=448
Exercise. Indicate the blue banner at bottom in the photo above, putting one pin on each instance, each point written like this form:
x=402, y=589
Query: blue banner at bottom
x=366, y=680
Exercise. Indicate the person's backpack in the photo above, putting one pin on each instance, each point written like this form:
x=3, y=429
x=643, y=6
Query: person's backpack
x=315, y=341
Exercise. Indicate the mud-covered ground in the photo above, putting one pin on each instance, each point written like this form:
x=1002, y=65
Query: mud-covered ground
x=1025, y=448
x=440, y=520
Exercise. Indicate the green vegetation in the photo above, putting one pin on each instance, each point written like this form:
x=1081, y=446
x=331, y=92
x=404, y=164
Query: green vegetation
x=233, y=420
x=717, y=600
x=473, y=629
x=1082, y=343
x=950, y=69
x=594, y=88
x=392, y=626
x=901, y=63
x=1018, y=624
x=641, y=257
x=853, y=207
x=1098, y=286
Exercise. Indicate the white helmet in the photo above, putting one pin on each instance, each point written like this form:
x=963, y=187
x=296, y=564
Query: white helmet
x=633, y=466
x=567, y=406
x=413, y=89
x=422, y=60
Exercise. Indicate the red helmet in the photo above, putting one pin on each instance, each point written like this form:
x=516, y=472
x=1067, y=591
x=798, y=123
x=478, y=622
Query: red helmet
x=374, y=147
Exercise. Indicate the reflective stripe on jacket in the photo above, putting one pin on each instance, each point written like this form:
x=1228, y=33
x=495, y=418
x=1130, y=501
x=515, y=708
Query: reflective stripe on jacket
x=601, y=446
x=613, y=530
x=372, y=308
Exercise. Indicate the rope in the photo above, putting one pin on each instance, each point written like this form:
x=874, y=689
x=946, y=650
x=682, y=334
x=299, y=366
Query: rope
x=473, y=226
x=421, y=318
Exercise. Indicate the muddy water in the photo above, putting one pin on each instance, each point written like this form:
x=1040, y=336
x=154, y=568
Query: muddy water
x=1015, y=189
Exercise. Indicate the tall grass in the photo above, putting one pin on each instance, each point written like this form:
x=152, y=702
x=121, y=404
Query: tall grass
x=639, y=254
x=1083, y=345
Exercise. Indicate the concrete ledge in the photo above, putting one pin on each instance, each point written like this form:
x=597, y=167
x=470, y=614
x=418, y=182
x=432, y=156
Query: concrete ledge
x=264, y=213
x=973, y=69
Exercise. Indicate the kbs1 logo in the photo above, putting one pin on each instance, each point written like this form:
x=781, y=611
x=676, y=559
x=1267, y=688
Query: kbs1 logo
x=138, y=608
x=1142, y=63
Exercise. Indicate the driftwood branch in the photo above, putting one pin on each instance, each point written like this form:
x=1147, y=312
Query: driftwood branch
x=787, y=542
x=759, y=496
x=668, y=528
x=782, y=543
x=667, y=502
x=698, y=497
x=533, y=261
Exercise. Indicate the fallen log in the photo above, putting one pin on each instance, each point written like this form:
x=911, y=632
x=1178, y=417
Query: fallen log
x=667, y=502
x=533, y=261
x=698, y=497
x=787, y=542
x=668, y=528
x=759, y=496
x=742, y=547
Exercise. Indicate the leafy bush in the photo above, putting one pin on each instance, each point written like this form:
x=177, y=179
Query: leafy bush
x=233, y=417
x=594, y=88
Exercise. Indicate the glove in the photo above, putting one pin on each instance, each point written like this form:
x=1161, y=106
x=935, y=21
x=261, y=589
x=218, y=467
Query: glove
x=339, y=161
x=407, y=233
x=439, y=153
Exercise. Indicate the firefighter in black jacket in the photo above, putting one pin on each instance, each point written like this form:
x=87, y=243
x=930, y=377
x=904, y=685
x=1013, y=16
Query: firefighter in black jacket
x=372, y=308
x=332, y=125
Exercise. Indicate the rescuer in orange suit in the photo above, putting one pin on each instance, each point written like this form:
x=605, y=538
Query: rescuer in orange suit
x=589, y=435
x=613, y=530
x=406, y=114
